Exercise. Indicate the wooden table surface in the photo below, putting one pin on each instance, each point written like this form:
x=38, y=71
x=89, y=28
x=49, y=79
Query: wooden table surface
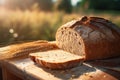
x=25, y=69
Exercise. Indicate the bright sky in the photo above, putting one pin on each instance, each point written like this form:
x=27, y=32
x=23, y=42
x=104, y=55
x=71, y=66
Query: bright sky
x=74, y=2
x=2, y=2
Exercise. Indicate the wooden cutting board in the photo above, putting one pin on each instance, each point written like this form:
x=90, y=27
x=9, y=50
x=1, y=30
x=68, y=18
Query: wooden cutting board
x=25, y=69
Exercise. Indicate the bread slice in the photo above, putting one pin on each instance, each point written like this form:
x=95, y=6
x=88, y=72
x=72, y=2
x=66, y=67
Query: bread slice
x=92, y=37
x=56, y=59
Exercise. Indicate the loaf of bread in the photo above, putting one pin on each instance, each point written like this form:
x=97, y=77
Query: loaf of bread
x=90, y=37
x=23, y=49
x=56, y=59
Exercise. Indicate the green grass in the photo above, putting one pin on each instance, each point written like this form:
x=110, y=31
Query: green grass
x=35, y=25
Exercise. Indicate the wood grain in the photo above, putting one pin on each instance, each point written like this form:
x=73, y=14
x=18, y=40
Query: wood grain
x=25, y=69
x=22, y=68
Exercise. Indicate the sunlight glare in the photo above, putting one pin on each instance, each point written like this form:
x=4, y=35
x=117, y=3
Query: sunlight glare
x=2, y=2
x=11, y=30
x=74, y=2
x=15, y=35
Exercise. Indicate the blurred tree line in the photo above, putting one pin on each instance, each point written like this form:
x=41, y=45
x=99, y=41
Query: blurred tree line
x=101, y=4
x=29, y=24
x=64, y=5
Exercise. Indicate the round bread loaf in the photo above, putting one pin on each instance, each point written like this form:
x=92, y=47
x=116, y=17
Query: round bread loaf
x=90, y=37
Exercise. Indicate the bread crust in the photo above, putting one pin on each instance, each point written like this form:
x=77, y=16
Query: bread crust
x=99, y=37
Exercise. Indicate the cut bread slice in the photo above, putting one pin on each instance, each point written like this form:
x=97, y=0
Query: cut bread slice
x=56, y=59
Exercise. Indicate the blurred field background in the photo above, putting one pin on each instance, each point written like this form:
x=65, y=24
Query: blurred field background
x=29, y=20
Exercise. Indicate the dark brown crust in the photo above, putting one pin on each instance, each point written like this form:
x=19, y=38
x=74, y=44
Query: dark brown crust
x=90, y=22
x=32, y=58
x=105, y=45
x=56, y=65
x=107, y=23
